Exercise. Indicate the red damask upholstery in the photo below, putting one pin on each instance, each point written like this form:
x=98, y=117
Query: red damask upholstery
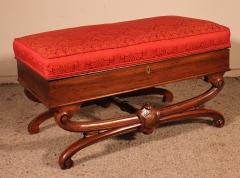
x=79, y=50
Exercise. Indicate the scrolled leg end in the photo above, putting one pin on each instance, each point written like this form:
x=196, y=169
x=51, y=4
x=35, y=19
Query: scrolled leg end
x=66, y=164
x=32, y=128
x=218, y=122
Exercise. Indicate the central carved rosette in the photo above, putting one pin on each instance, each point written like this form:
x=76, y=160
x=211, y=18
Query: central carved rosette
x=148, y=117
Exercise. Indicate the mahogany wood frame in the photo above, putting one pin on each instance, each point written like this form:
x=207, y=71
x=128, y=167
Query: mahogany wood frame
x=64, y=96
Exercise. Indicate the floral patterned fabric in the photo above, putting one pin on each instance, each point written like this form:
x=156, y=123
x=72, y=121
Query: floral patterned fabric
x=73, y=51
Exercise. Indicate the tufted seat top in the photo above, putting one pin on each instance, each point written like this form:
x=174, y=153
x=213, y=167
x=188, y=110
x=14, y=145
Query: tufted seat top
x=74, y=51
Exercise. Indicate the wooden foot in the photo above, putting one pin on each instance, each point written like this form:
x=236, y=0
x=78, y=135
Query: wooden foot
x=33, y=126
x=65, y=163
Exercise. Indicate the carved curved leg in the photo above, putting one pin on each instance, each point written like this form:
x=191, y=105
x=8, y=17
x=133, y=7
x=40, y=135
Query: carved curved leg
x=218, y=119
x=65, y=160
x=150, y=117
x=33, y=126
x=146, y=119
x=167, y=95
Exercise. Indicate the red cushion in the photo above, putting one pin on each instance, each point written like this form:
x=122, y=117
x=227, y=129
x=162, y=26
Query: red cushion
x=74, y=51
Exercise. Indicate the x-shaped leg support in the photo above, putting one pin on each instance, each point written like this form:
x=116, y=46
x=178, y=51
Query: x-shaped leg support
x=146, y=119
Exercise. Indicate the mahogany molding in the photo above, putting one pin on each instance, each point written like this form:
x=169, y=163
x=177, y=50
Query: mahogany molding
x=107, y=83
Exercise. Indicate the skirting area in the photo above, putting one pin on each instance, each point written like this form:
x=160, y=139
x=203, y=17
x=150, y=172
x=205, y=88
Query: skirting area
x=190, y=149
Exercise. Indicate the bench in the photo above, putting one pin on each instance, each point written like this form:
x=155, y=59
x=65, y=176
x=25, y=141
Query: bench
x=101, y=64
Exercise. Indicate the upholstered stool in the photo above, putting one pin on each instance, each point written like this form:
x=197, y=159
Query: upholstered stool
x=99, y=64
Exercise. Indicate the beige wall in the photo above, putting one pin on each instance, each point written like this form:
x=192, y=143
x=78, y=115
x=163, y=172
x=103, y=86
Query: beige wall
x=23, y=17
